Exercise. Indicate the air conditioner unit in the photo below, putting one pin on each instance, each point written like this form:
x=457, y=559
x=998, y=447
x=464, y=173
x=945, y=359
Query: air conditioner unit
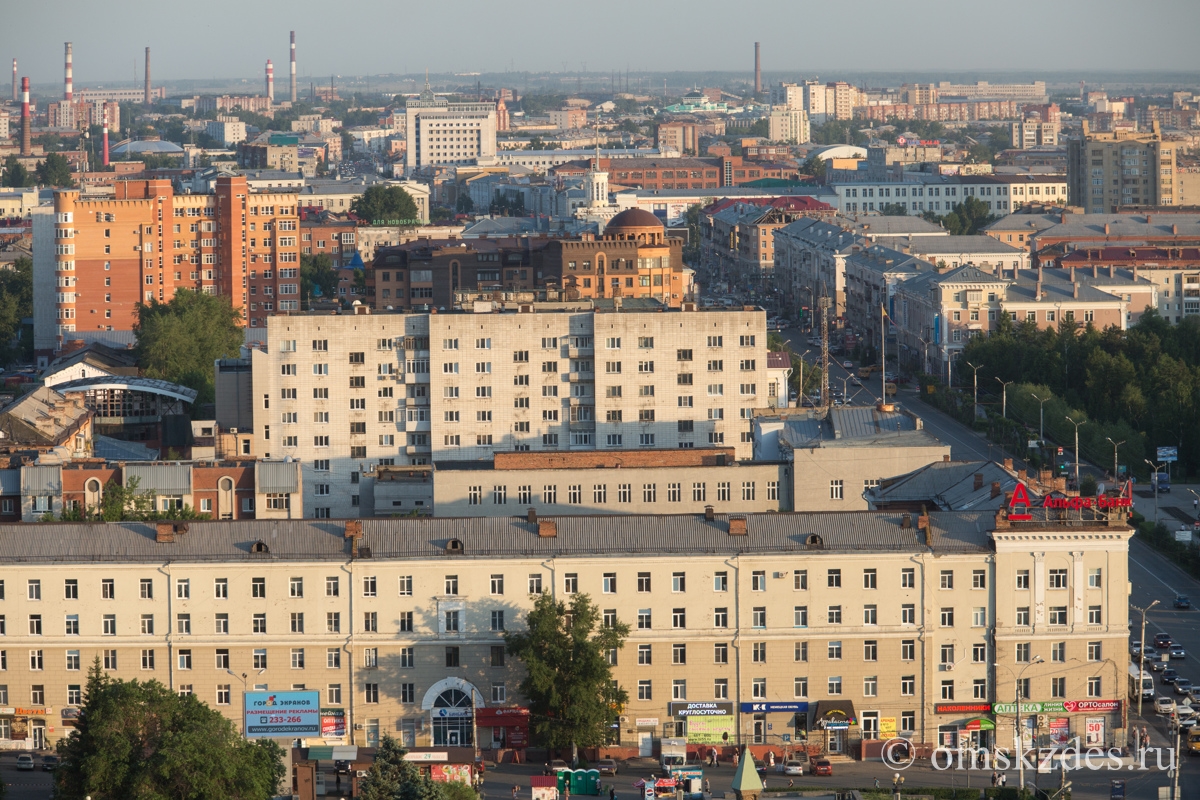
x=362, y=773
x=233, y=431
x=947, y=668
x=624, y=720
x=358, y=726
x=780, y=574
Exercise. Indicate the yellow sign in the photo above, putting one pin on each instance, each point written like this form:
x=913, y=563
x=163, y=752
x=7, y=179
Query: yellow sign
x=887, y=727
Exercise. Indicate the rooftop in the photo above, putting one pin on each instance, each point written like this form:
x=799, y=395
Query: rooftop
x=854, y=426
x=952, y=245
x=947, y=486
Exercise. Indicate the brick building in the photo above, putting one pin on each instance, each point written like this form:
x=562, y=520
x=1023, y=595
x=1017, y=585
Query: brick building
x=147, y=242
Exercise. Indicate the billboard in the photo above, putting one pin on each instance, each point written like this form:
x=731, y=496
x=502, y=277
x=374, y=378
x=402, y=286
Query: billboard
x=711, y=730
x=333, y=723
x=282, y=715
x=1168, y=454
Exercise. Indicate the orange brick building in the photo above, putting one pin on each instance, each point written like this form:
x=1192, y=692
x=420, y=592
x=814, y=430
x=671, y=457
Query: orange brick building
x=147, y=242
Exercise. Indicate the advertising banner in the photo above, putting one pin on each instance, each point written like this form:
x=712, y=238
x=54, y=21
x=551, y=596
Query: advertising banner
x=1093, y=732
x=712, y=709
x=711, y=730
x=887, y=728
x=451, y=773
x=1060, y=731
x=284, y=715
x=1059, y=707
x=774, y=708
x=333, y=723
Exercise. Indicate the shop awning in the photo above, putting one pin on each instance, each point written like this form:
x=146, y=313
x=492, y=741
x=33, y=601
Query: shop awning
x=980, y=725
x=333, y=753
x=834, y=714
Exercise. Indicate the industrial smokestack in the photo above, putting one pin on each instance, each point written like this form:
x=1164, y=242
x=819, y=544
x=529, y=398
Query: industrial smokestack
x=26, y=132
x=16, y=93
x=293, y=66
x=106, y=136
x=270, y=82
x=146, y=98
x=68, y=90
x=757, y=69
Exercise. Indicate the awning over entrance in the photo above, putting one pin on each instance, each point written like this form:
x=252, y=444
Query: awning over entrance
x=980, y=725
x=833, y=714
x=333, y=753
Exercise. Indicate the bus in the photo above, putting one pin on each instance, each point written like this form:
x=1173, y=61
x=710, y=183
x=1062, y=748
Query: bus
x=1140, y=682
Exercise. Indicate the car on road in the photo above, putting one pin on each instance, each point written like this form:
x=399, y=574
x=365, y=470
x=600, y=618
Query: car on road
x=1182, y=686
x=24, y=761
x=1185, y=709
x=847, y=365
x=1164, y=705
x=1177, y=651
x=1182, y=601
x=558, y=765
x=1168, y=675
x=1188, y=724
x=49, y=763
x=1156, y=665
x=1162, y=640
x=822, y=767
x=1135, y=648
x=793, y=767
x=606, y=766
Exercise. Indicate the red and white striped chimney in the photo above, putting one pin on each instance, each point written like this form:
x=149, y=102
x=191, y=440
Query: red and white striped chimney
x=68, y=77
x=105, y=136
x=293, y=66
x=16, y=93
x=26, y=131
x=270, y=82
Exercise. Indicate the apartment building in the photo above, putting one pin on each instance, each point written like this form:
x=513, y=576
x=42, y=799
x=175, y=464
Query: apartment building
x=443, y=133
x=920, y=192
x=345, y=393
x=1033, y=92
x=1107, y=170
x=680, y=136
x=788, y=125
x=147, y=242
x=778, y=620
x=738, y=240
x=841, y=99
x=1030, y=133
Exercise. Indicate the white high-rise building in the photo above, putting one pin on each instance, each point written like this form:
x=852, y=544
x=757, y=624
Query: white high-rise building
x=814, y=101
x=788, y=125
x=440, y=132
x=345, y=393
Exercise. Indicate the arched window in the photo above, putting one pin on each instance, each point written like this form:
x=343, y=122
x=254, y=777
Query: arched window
x=453, y=715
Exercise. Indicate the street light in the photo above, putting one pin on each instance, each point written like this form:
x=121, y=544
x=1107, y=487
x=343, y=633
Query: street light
x=1196, y=503
x=1004, y=397
x=1017, y=713
x=1142, y=651
x=243, y=678
x=976, y=390
x=1115, y=446
x=1076, y=424
x=1157, y=468
x=1041, y=416
x=897, y=782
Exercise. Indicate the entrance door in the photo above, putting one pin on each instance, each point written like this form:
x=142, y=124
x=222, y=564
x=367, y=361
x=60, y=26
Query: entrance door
x=372, y=733
x=645, y=744
x=760, y=728
x=39, y=734
x=837, y=741
x=452, y=738
x=870, y=724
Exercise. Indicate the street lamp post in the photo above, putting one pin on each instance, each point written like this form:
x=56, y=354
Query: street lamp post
x=1076, y=424
x=1017, y=715
x=1157, y=469
x=1004, y=397
x=243, y=678
x=1142, y=651
x=1041, y=416
x=897, y=782
x=1115, y=446
x=976, y=386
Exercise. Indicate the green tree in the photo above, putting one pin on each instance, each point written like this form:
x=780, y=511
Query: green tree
x=179, y=341
x=16, y=304
x=464, y=204
x=54, y=171
x=143, y=740
x=894, y=210
x=816, y=167
x=383, y=204
x=967, y=218
x=761, y=127
x=572, y=696
x=317, y=272
x=15, y=174
x=393, y=778
x=123, y=503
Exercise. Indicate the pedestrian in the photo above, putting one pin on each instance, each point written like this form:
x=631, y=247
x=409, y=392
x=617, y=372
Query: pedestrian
x=791, y=783
x=993, y=777
x=514, y=792
x=1004, y=779
x=612, y=792
x=716, y=758
x=736, y=758
x=877, y=782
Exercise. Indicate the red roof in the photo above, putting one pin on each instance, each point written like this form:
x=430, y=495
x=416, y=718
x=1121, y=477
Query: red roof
x=778, y=360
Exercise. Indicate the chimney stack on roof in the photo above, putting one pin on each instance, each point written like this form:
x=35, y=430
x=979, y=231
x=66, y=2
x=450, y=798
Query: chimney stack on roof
x=995, y=489
x=146, y=90
x=757, y=69
x=1075, y=287
x=978, y=481
x=16, y=92
x=353, y=529
x=737, y=526
x=270, y=82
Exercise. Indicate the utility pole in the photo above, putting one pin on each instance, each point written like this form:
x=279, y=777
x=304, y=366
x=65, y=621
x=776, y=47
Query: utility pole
x=1142, y=651
x=1077, y=424
x=1004, y=397
x=1157, y=468
x=976, y=390
x=825, y=304
x=1041, y=417
x=1115, y=446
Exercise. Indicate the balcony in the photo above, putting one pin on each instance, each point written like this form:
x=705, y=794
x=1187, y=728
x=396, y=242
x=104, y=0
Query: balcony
x=580, y=352
x=418, y=449
x=579, y=426
x=410, y=402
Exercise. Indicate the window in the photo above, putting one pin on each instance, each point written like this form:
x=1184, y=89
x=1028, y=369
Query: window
x=834, y=651
x=644, y=690
x=1057, y=579
x=109, y=625
x=644, y=619
x=947, y=579
x=296, y=587
x=498, y=620
x=979, y=689
x=908, y=578
x=947, y=690
x=571, y=583
x=1021, y=652
x=1022, y=615
x=800, y=616
x=370, y=693
x=221, y=588
x=645, y=654
x=452, y=656
x=870, y=615
x=978, y=579
x=258, y=587
x=679, y=654
x=908, y=614
x=720, y=617
x=107, y=589
x=183, y=624
x=947, y=617
x=1095, y=651
x=71, y=589
x=758, y=688
x=833, y=578
x=1095, y=687
x=147, y=659
x=679, y=618
x=535, y=583
x=259, y=623
x=979, y=617
x=147, y=625
x=836, y=489
x=978, y=653
x=869, y=578
x=1058, y=615
x=147, y=589
x=333, y=622
x=1023, y=580
x=1094, y=615
x=221, y=624
x=1094, y=578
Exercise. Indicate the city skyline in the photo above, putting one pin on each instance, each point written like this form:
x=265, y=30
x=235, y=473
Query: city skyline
x=233, y=42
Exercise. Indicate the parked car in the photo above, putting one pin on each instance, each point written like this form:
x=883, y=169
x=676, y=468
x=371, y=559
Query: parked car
x=1164, y=705
x=793, y=767
x=1177, y=651
x=24, y=761
x=822, y=767
x=606, y=766
x=1182, y=601
x=558, y=765
x=1162, y=640
x=1168, y=675
x=847, y=365
x=49, y=763
x=1182, y=686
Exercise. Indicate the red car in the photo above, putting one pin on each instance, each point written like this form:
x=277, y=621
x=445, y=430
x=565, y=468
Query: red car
x=822, y=767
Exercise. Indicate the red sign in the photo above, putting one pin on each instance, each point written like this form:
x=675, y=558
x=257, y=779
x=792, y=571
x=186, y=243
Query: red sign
x=962, y=708
x=505, y=717
x=1080, y=706
x=1020, y=500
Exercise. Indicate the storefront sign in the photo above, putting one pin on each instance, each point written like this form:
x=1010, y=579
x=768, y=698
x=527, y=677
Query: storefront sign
x=774, y=708
x=451, y=712
x=1060, y=731
x=36, y=711
x=282, y=714
x=411, y=756
x=836, y=724
x=980, y=725
x=518, y=736
x=887, y=728
x=1059, y=707
x=701, y=709
x=1093, y=732
x=646, y=722
x=961, y=708
x=508, y=716
x=451, y=773
x=710, y=730
x=333, y=723
x=7, y=711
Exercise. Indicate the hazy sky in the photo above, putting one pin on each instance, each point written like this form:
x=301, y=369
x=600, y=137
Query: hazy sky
x=226, y=39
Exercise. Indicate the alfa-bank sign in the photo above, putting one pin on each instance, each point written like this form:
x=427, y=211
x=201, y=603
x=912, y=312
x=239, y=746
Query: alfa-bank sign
x=1019, y=505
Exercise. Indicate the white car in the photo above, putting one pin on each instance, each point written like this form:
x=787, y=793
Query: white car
x=793, y=767
x=25, y=761
x=1164, y=705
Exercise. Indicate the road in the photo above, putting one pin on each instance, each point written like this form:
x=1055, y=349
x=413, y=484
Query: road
x=24, y=785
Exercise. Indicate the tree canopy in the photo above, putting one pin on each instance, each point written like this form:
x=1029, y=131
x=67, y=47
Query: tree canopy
x=54, y=171
x=14, y=175
x=393, y=778
x=965, y=219
x=142, y=740
x=317, y=272
x=179, y=341
x=572, y=696
x=123, y=502
x=384, y=205
x=16, y=304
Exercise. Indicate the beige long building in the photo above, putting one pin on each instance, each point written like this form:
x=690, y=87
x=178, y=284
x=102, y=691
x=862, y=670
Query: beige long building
x=835, y=628
x=1108, y=170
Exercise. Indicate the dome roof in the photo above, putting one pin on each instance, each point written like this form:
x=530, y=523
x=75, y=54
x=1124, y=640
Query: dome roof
x=634, y=218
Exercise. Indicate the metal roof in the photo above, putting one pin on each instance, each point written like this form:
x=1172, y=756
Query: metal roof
x=111, y=449
x=427, y=538
x=950, y=485
x=161, y=479
x=37, y=479
x=277, y=477
x=10, y=481
x=149, y=385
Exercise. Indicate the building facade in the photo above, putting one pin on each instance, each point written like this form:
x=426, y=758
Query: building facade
x=443, y=133
x=1121, y=168
x=775, y=619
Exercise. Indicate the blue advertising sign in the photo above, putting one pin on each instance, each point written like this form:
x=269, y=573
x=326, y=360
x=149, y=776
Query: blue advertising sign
x=774, y=708
x=1168, y=454
x=283, y=715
